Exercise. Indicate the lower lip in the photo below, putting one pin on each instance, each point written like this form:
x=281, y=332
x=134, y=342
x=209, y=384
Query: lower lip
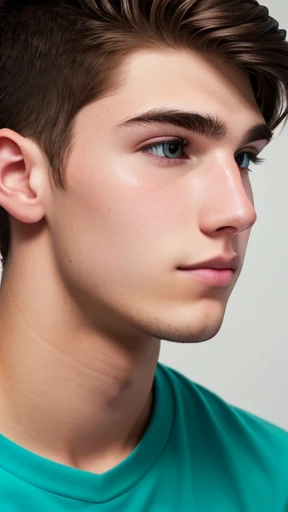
x=212, y=277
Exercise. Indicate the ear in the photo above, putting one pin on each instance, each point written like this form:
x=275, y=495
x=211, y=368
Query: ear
x=22, y=169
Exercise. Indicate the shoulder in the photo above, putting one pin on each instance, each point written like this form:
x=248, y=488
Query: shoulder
x=240, y=429
x=237, y=452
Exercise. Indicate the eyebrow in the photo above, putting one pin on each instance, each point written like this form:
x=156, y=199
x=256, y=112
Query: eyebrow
x=207, y=125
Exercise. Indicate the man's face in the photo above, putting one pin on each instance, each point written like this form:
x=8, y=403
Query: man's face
x=130, y=219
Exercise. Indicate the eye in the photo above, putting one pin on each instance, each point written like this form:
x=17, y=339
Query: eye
x=168, y=149
x=245, y=158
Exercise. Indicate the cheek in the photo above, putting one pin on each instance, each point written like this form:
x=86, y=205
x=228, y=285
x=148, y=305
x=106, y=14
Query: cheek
x=119, y=245
x=114, y=225
x=126, y=212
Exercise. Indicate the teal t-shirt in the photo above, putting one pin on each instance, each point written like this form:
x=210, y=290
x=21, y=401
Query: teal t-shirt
x=199, y=454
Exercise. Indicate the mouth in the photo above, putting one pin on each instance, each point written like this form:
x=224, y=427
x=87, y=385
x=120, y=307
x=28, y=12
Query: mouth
x=218, y=272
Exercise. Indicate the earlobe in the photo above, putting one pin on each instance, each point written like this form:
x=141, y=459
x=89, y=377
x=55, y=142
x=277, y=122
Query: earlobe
x=19, y=167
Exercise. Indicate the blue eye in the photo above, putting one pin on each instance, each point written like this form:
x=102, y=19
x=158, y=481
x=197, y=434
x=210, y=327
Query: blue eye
x=167, y=149
x=174, y=150
x=245, y=158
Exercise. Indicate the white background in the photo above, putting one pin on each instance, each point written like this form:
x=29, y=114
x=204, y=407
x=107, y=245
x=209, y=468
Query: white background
x=247, y=362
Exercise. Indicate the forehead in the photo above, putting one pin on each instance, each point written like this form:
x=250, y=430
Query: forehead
x=180, y=80
x=188, y=80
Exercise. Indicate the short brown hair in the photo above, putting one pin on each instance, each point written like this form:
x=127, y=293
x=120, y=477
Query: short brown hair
x=58, y=56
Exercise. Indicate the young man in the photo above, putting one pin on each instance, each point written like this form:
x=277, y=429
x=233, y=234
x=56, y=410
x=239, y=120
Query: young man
x=127, y=132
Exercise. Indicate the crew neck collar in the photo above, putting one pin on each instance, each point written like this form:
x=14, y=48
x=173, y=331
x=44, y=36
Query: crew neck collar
x=90, y=487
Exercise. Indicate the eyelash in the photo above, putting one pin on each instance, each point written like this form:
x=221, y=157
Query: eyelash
x=184, y=142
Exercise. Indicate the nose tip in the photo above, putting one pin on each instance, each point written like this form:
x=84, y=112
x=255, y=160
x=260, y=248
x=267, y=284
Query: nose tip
x=229, y=204
x=245, y=218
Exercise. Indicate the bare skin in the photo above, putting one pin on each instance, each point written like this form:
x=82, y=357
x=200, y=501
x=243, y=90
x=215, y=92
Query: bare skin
x=93, y=282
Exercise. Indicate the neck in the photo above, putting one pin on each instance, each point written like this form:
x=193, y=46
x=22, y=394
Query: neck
x=70, y=392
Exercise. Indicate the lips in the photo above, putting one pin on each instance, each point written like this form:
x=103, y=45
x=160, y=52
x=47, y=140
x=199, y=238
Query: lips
x=217, y=272
x=223, y=262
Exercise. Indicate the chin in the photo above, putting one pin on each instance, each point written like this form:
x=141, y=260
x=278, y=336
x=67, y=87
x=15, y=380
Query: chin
x=192, y=324
x=197, y=335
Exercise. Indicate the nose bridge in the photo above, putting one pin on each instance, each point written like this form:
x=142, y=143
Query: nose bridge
x=231, y=199
x=236, y=191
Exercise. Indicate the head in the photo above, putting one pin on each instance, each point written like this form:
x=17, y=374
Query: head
x=127, y=132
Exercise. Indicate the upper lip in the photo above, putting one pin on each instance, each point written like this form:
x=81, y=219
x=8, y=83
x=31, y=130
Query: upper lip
x=219, y=263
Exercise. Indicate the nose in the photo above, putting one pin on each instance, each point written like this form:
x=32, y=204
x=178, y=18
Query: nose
x=228, y=203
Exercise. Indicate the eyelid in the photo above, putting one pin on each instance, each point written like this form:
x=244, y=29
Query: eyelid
x=252, y=152
x=249, y=150
x=182, y=140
